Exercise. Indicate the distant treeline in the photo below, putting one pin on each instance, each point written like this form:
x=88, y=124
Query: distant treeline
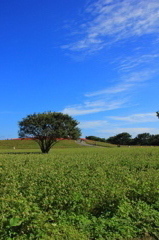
x=94, y=138
x=143, y=139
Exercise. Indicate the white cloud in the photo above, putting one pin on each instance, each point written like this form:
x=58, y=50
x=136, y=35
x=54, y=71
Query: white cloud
x=132, y=62
x=99, y=103
x=140, y=76
x=113, y=90
x=137, y=118
x=93, y=107
x=92, y=124
x=111, y=21
x=79, y=111
x=128, y=82
x=132, y=131
x=104, y=128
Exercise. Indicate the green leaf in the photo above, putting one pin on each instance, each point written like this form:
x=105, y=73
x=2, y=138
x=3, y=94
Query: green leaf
x=15, y=222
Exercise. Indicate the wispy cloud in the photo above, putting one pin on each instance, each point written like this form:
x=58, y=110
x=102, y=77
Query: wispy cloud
x=132, y=131
x=127, y=83
x=106, y=128
x=98, y=103
x=139, y=76
x=110, y=21
x=112, y=90
x=129, y=63
x=93, y=107
x=92, y=124
x=136, y=118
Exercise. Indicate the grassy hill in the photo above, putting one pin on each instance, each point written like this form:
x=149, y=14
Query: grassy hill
x=101, y=144
x=30, y=144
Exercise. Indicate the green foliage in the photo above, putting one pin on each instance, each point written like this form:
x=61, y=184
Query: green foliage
x=80, y=194
x=120, y=139
x=46, y=127
x=94, y=138
x=143, y=139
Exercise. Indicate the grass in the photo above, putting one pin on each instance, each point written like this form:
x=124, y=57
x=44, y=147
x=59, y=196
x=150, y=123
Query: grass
x=80, y=194
x=18, y=144
x=101, y=144
x=30, y=144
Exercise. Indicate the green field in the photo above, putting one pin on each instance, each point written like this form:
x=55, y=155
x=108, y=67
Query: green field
x=80, y=194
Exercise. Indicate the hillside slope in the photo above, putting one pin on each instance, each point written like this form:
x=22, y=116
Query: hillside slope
x=30, y=144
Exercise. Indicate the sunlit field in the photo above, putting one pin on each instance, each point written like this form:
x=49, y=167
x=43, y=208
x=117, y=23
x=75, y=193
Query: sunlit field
x=80, y=193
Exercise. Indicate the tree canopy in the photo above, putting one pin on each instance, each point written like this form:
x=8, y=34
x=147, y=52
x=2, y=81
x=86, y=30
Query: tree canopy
x=46, y=127
x=120, y=139
x=143, y=139
x=94, y=138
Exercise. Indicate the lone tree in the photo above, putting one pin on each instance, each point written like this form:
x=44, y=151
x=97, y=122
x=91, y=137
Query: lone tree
x=46, y=127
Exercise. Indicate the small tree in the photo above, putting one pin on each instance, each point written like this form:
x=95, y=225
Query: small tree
x=46, y=127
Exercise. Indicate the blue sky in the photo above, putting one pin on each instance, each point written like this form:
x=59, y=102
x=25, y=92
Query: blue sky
x=95, y=60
